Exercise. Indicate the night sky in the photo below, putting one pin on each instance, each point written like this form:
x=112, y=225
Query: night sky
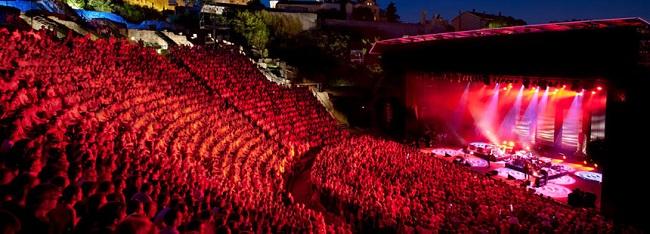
x=532, y=11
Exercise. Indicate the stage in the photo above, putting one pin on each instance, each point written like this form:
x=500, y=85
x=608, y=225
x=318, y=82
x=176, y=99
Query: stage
x=586, y=178
x=553, y=89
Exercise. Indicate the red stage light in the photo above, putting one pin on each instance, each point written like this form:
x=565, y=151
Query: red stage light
x=593, y=92
x=563, y=86
x=504, y=89
x=599, y=88
x=596, y=165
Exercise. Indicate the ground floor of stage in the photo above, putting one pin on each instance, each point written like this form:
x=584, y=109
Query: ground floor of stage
x=585, y=178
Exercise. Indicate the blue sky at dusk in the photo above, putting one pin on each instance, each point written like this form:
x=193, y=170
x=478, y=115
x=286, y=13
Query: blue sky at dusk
x=532, y=11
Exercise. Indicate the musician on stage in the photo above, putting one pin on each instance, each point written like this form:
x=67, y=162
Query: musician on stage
x=526, y=169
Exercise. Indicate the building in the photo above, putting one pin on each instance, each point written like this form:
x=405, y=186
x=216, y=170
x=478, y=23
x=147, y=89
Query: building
x=385, y=29
x=273, y=3
x=162, y=5
x=472, y=20
x=366, y=10
x=159, y=5
x=306, y=5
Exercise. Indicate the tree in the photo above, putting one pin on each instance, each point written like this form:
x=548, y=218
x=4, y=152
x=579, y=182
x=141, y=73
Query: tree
x=256, y=4
x=280, y=26
x=391, y=13
x=129, y=12
x=100, y=5
x=252, y=29
x=77, y=4
x=135, y=13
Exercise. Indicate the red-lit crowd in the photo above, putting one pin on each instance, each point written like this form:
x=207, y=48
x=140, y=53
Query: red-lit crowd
x=107, y=136
x=291, y=115
x=379, y=185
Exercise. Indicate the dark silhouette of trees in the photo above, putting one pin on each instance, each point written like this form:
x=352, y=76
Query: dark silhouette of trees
x=391, y=13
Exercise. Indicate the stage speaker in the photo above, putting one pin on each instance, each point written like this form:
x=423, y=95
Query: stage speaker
x=510, y=177
x=459, y=160
x=492, y=173
x=589, y=200
x=539, y=182
x=447, y=155
x=575, y=198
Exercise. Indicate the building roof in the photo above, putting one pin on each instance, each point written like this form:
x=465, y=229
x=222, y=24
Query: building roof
x=509, y=20
x=493, y=17
x=380, y=46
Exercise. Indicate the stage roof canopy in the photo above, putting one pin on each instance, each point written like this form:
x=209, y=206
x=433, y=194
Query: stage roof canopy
x=380, y=46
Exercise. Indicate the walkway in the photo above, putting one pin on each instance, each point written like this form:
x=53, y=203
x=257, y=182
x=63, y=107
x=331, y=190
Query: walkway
x=301, y=189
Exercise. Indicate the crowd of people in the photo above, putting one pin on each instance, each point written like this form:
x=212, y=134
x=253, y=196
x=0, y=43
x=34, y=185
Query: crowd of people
x=291, y=115
x=379, y=184
x=108, y=136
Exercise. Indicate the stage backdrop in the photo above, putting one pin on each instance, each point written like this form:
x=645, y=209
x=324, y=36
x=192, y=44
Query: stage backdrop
x=561, y=116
